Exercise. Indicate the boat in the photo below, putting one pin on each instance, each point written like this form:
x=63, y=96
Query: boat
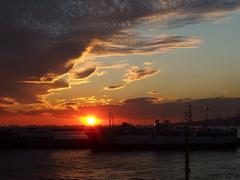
x=160, y=136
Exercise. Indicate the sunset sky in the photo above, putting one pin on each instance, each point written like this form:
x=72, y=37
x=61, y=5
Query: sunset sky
x=63, y=59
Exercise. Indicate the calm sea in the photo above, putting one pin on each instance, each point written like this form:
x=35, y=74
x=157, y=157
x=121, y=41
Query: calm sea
x=85, y=164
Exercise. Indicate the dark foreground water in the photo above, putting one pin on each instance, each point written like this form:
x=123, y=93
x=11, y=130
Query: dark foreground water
x=85, y=164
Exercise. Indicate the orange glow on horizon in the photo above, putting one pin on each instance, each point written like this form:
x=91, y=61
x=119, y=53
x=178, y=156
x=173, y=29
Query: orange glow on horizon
x=90, y=120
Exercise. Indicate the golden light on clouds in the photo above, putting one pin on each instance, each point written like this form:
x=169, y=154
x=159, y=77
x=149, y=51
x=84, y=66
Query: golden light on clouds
x=67, y=66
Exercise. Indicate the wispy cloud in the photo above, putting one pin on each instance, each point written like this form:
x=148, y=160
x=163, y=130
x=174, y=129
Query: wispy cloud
x=85, y=73
x=132, y=74
x=135, y=73
x=147, y=63
x=153, y=92
x=124, y=44
x=5, y=102
x=114, y=87
x=144, y=100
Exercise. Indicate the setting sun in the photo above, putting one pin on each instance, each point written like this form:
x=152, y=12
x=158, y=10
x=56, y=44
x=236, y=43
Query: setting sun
x=90, y=120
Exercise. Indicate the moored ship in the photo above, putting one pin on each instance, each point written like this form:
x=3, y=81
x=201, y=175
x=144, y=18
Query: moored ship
x=161, y=135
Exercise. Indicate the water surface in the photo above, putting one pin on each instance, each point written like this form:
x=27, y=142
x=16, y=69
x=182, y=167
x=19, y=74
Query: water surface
x=85, y=164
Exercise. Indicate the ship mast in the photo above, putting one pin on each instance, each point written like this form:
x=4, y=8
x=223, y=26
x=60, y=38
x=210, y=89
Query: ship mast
x=207, y=112
x=110, y=116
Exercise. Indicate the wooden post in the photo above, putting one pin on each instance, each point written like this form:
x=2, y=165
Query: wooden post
x=188, y=118
x=187, y=153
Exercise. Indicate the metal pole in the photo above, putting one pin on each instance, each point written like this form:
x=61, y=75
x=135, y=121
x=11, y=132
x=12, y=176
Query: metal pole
x=207, y=112
x=188, y=118
x=187, y=169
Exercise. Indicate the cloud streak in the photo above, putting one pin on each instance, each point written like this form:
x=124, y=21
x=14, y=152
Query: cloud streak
x=125, y=44
x=153, y=92
x=114, y=87
x=86, y=73
x=135, y=73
